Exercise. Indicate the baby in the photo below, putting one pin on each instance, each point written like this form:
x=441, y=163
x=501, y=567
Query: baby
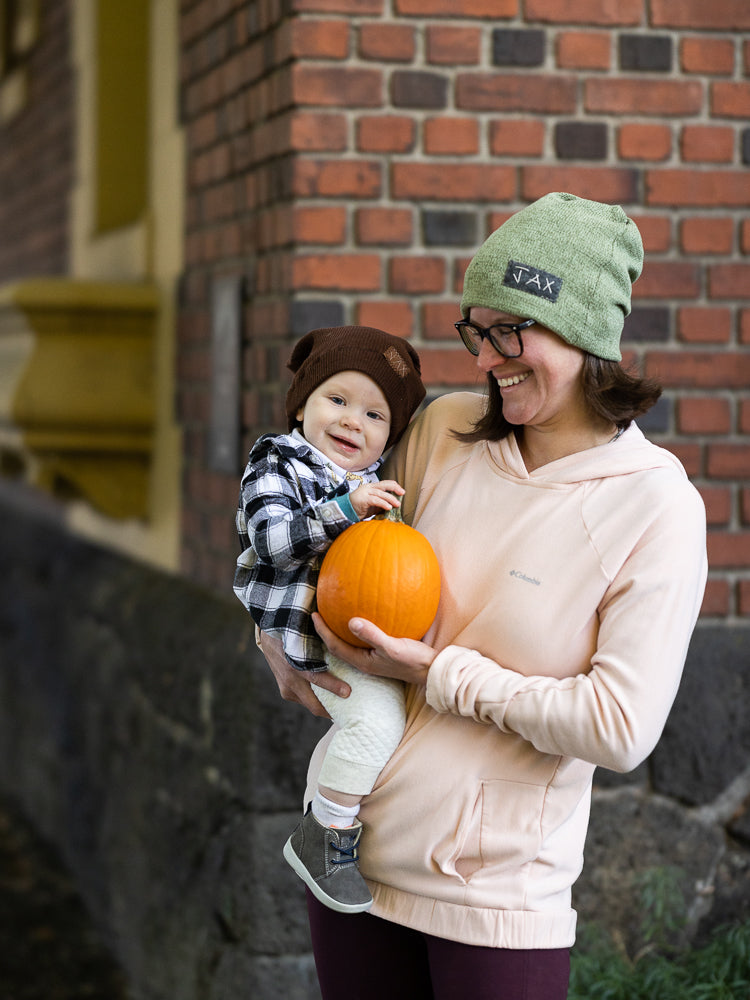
x=353, y=394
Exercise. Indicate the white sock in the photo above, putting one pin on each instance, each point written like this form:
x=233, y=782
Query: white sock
x=331, y=813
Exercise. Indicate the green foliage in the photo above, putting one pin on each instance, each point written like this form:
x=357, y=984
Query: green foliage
x=663, y=903
x=720, y=970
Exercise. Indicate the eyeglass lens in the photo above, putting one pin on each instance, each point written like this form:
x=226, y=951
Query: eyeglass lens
x=505, y=341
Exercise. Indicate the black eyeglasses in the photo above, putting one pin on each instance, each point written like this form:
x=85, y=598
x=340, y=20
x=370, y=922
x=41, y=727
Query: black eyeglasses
x=504, y=337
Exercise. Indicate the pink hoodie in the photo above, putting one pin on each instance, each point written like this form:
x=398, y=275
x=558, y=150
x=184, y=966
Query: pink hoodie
x=569, y=596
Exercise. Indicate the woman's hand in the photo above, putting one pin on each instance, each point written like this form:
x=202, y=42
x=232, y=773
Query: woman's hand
x=405, y=659
x=294, y=685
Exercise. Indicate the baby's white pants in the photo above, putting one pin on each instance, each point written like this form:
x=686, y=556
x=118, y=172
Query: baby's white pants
x=370, y=726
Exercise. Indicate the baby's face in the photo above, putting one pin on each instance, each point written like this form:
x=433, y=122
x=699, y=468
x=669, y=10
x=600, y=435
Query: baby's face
x=347, y=418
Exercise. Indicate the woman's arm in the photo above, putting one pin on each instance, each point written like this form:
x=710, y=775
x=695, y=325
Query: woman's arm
x=613, y=715
x=404, y=659
x=388, y=656
x=295, y=685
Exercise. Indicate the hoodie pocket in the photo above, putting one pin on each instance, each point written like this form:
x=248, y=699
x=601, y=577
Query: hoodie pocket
x=499, y=829
x=457, y=854
x=511, y=833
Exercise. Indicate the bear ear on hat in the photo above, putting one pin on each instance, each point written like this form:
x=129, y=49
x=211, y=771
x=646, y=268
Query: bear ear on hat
x=414, y=357
x=302, y=350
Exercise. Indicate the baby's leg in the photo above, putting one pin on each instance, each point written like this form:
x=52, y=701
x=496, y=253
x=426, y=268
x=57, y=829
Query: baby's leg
x=370, y=726
x=324, y=849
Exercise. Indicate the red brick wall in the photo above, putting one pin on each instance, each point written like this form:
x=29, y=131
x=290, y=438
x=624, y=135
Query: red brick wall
x=347, y=156
x=36, y=158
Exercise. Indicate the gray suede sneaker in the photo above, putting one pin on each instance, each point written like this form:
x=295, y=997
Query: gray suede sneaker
x=326, y=859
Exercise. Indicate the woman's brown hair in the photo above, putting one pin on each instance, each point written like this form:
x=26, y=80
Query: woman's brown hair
x=611, y=391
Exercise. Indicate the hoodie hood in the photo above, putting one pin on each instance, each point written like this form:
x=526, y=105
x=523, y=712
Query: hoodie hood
x=630, y=453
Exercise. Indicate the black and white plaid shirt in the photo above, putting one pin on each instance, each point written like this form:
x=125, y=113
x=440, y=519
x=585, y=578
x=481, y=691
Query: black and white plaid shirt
x=293, y=503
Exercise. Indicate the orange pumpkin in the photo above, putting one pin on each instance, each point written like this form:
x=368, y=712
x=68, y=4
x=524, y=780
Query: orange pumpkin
x=382, y=570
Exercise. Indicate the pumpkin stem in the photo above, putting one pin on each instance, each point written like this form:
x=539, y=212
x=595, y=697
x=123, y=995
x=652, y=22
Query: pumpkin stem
x=394, y=514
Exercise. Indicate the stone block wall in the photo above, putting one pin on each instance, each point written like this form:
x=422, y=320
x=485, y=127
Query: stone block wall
x=145, y=738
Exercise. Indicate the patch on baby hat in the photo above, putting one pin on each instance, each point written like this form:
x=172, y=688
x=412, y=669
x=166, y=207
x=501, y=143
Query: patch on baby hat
x=396, y=362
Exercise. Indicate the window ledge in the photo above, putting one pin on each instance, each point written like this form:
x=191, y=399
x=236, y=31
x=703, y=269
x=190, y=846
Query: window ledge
x=77, y=404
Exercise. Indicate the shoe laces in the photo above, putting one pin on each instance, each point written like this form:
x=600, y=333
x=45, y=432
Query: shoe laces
x=347, y=855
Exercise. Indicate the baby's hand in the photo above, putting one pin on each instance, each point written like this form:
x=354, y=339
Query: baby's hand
x=370, y=498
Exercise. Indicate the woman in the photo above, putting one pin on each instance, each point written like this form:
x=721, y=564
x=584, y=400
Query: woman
x=573, y=565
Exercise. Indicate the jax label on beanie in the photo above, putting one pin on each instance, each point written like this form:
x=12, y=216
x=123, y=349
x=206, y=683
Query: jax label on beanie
x=531, y=279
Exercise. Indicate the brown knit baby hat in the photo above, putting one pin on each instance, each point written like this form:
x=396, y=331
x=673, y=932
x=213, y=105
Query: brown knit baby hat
x=390, y=361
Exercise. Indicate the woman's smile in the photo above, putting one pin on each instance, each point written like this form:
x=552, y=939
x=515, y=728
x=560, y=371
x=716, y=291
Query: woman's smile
x=553, y=395
x=508, y=380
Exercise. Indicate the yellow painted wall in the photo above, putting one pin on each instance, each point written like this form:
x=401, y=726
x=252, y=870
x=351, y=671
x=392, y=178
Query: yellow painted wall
x=127, y=212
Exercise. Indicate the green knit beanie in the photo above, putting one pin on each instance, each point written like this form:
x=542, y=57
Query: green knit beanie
x=567, y=263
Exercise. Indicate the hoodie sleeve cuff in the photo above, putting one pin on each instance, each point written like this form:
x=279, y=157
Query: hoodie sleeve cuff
x=457, y=681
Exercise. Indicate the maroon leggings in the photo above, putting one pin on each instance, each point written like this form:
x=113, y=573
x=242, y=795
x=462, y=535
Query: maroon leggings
x=362, y=957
